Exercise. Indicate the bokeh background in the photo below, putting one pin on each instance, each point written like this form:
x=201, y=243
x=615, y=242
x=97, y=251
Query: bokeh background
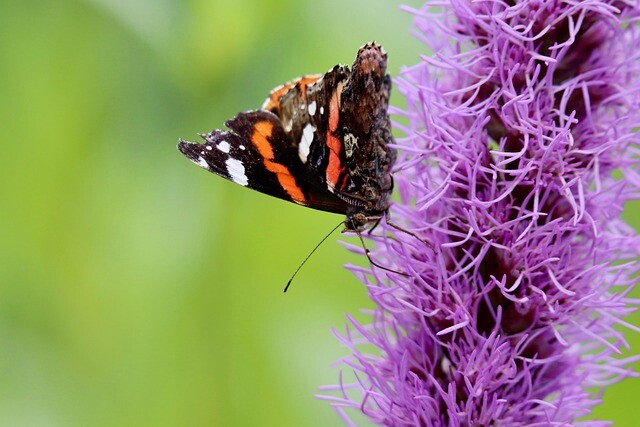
x=135, y=288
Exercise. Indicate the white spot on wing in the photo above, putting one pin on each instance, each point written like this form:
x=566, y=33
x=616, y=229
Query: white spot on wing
x=235, y=168
x=223, y=146
x=312, y=108
x=209, y=148
x=241, y=147
x=305, y=142
x=202, y=163
x=321, y=110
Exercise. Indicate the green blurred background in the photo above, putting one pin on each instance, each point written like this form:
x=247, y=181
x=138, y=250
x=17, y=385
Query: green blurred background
x=137, y=289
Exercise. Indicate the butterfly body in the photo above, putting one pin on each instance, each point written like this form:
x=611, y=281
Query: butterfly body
x=320, y=141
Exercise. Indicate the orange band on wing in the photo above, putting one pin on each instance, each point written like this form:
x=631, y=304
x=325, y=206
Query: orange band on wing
x=273, y=101
x=334, y=167
x=305, y=81
x=262, y=132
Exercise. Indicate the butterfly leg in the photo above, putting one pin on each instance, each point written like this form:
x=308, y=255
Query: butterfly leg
x=410, y=233
x=374, y=225
x=367, y=252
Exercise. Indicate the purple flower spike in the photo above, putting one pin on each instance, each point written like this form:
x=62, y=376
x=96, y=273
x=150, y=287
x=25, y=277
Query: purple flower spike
x=516, y=125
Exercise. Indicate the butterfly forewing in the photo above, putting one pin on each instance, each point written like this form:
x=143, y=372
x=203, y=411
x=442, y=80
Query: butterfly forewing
x=257, y=153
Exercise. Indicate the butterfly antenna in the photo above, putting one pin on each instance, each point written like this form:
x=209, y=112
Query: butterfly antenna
x=311, y=253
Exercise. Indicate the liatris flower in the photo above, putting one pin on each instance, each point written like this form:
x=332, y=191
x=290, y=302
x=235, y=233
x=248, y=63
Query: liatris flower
x=517, y=125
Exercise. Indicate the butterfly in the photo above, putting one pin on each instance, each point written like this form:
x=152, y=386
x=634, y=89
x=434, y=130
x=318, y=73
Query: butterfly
x=320, y=141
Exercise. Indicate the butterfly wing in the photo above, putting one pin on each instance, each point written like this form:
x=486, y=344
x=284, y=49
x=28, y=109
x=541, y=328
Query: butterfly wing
x=341, y=128
x=309, y=108
x=257, y=153
x=320, y=141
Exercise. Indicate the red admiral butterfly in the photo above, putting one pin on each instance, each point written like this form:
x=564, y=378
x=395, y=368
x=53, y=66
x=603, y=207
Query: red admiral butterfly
x=319, y=141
